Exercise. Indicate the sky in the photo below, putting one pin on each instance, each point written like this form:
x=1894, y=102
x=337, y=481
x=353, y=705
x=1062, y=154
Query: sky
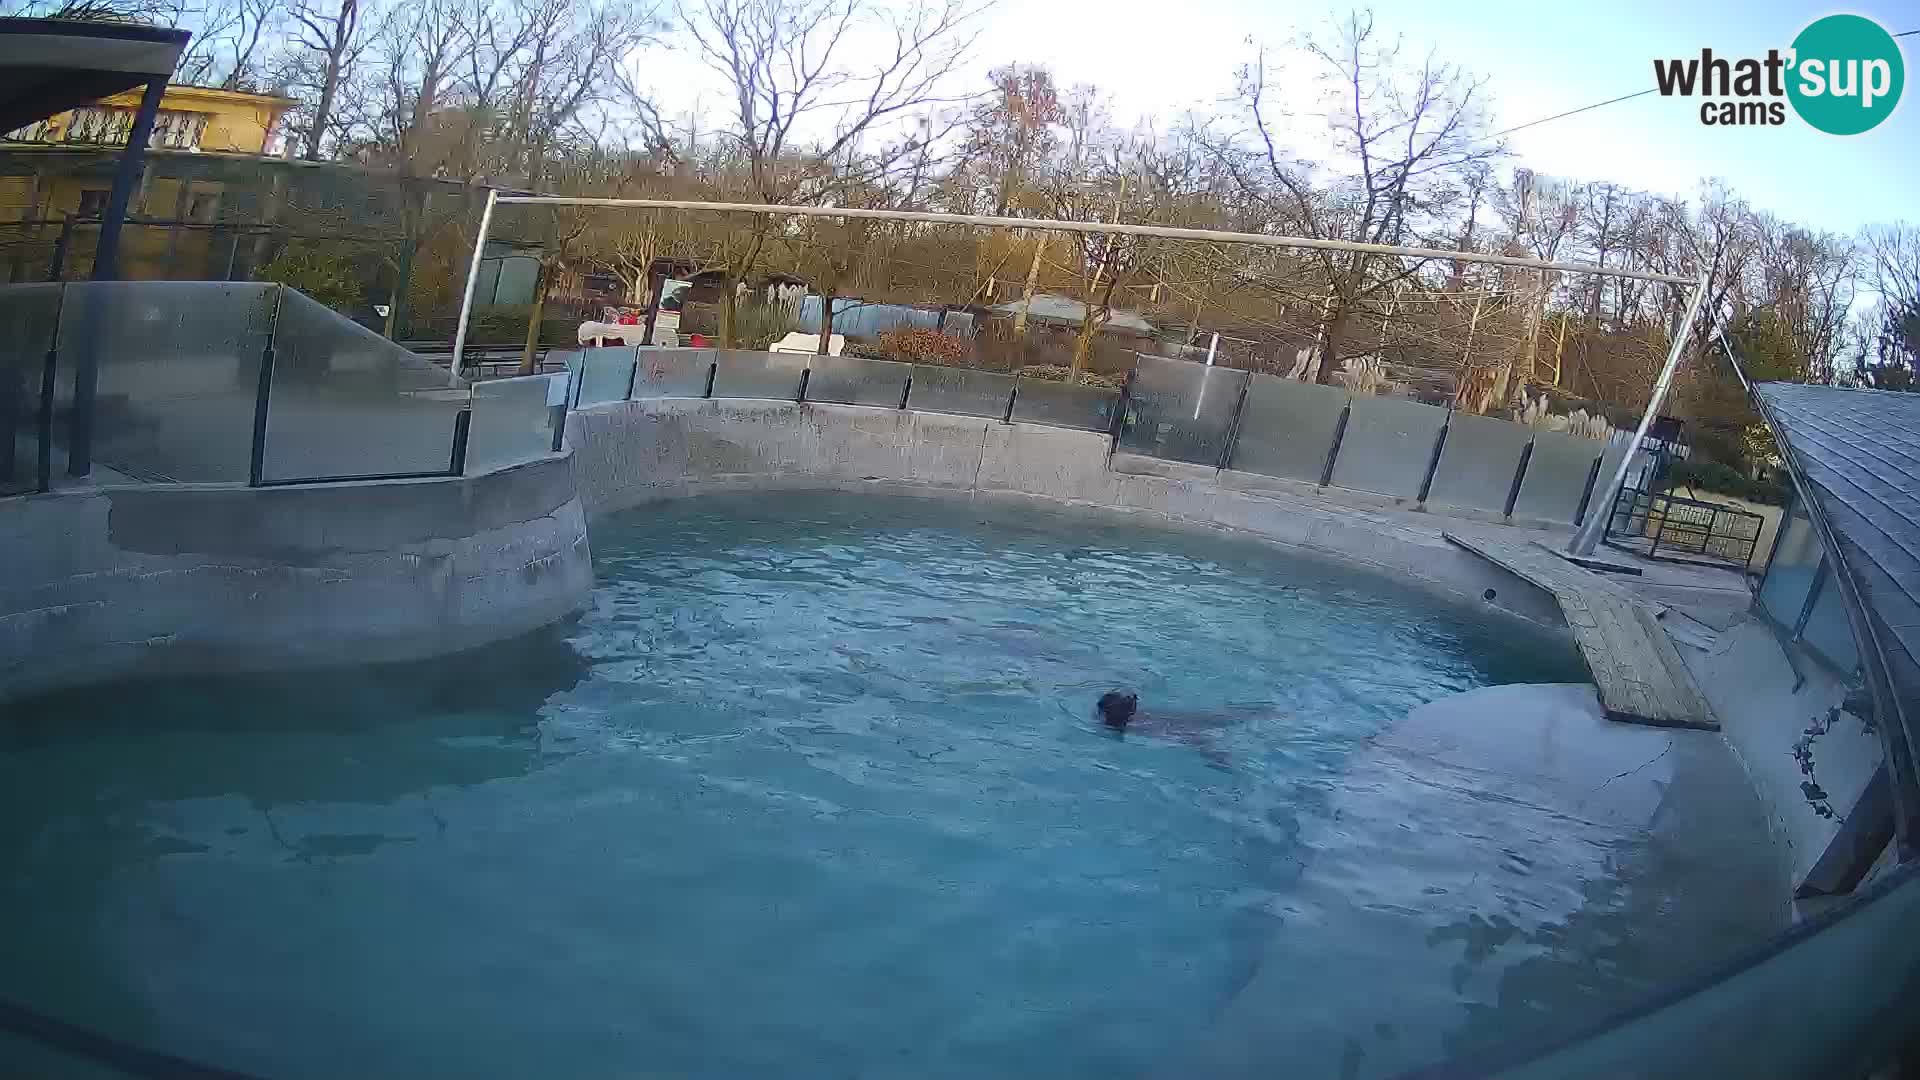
x=1158, y=59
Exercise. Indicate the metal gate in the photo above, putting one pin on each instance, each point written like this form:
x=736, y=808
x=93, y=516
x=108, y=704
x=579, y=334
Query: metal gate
x=1663, y=526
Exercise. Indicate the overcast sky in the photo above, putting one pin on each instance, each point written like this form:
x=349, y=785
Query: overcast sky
x=1157, y=59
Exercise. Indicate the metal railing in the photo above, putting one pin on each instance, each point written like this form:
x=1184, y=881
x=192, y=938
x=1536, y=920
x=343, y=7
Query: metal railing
x=1659, y=525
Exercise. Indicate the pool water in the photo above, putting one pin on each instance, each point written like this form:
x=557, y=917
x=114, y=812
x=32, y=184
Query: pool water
x=813, y=790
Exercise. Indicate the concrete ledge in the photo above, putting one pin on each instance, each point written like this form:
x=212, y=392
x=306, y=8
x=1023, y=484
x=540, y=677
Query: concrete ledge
x=111, y=582
x=629, y=453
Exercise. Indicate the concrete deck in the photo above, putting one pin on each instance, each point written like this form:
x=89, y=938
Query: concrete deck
x=1639, y=673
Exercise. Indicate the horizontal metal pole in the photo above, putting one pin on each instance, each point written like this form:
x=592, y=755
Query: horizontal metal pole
x=1057, y=225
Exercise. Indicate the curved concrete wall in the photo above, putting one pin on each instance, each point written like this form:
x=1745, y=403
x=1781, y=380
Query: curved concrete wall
x=633, y=452
x=108, y=582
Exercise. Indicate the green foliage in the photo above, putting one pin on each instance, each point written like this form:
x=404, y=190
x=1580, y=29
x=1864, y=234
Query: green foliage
x=1061, y=373
x=758, y=326
x=1725, y=427
x=506, y=324
x=1898, y=350
x=1715, y=477
x=321, y=270
x=755, y=325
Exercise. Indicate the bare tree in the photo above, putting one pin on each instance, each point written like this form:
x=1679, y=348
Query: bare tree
x=811, y=81
x=1402, y=137
x=231, y=44
x=328, y=40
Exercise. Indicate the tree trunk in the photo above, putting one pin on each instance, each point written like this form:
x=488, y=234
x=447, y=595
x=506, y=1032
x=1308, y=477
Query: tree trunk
x=1090, y=325
x=826, y=321
x=1338, y=316
x=343, y=26
x=726, y=313
x=413, y=223
x=1026, y=296
x=540, y=280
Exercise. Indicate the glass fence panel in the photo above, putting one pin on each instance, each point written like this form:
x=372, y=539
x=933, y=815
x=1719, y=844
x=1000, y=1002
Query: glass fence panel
x=1180, y=410
x=28, y=315
x=512, y=421
x=347, y=402
x=966, y=391
x=177, y=368
x=743, y=374
x=855, y=380
x=1796, y=559
x=1287, y=428
x=1822, y=1001
x=1056, y=404
x=1556, y=478
x=1478, y=463
x=679, y=373
x=605, y=375
x=1387, y=446
x=1827, y=630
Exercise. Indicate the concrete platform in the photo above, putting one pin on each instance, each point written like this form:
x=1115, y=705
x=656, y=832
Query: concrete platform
x=1640, y=674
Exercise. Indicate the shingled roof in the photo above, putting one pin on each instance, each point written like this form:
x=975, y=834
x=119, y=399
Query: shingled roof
x=1856, y=456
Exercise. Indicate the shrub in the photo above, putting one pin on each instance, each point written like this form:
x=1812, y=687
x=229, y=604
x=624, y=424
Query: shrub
x=506, y=324
x=1060, y=373
x=755, y=326
x=322, y=271
x=921, y=345
x=1715, y=477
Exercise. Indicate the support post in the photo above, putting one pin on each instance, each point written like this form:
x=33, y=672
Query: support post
x=106, y=259
x=473, y=281
x=1588, y=537
x=57, y=266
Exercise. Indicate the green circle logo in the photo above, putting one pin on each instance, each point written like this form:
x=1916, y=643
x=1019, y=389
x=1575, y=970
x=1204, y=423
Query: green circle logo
x=1847, y=74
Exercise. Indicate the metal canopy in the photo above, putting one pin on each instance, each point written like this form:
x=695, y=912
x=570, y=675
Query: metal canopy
x=48, y=66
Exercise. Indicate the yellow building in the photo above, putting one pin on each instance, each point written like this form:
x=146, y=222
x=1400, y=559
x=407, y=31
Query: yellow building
x=191, y=118
x=63, y=166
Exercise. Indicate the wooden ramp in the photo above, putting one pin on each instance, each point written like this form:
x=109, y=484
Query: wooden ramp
x=1639, y=672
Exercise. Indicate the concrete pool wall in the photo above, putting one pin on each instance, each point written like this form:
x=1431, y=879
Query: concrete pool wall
x=630, y=453
x=170, y=579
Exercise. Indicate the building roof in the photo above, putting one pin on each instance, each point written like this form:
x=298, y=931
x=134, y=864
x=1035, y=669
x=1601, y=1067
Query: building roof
x=1049, y=307
x=1856, y=456
x=48, y=66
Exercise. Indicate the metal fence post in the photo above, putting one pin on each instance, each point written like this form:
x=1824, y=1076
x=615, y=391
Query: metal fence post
x=1013, y=395
x=1120, y=409
x=1233, y=429
x=1586, y=494
x=1520, y=477
x=43, y=419
x=805, y=374
x=1433, y=459
x=263, y=393
x=1333, y=448
x=457, y=462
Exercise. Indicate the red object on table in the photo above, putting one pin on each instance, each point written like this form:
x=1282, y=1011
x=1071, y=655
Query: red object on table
x=698, y=341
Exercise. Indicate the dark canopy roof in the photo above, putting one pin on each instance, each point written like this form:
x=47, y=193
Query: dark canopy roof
x=48, y=66
x=1856, y=456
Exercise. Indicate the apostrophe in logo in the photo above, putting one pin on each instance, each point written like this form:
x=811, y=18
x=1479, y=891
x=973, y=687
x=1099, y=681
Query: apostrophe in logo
x=1843, y=75
x=1847, y=74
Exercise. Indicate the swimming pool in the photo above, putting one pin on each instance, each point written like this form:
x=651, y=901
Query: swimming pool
x=814, y=790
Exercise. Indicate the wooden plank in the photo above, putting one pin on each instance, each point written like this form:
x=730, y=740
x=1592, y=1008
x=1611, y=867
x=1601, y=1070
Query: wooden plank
x=1638, y=671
